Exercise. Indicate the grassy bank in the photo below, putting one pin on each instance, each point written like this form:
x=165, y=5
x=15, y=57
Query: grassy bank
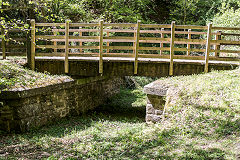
x=14, y=76
x=203, y=123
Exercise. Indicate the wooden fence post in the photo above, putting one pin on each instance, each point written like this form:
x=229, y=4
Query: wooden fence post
x=55, y=42
x=161, y=44
x=66, y=65
x=108, y=42
x=101, y=47
x=172, y=48
x=134, y=43
x=80, y=43
x=208, y=46
x=217, y=47
x=28, y=44
x=3, y=43
x=136, y=47
x=33, y=43
x=189, y=45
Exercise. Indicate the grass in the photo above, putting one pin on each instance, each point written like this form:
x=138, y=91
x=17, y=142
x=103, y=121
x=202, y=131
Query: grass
x=14, y=77
x=202, y=122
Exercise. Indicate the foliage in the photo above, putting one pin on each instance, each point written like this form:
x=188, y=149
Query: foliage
x=108, y=10
x=194, y=11
x=154, y=11
x=229, y=4
x=139, y=82
x=41, y=10
x=228, y=18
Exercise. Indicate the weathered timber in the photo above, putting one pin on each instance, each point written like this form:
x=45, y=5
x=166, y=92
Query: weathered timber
x=107, y=43
x=28, y=44
x=172, y=48
x=49, y=24
x=3, y=43
x=136, y=47
x=217, y=47
x=188, y=45
x=115, y=66
x=33, y=43
x=66, y=65
x=161, y=44
x=208, y=45
x=138, y=41
x=101, y=47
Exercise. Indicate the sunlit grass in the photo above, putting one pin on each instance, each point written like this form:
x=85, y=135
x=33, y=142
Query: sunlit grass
x=204, y=123
x=13, y=76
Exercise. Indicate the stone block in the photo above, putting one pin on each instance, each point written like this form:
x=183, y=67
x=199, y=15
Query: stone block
x=156, y=88
x=150, y=109
x=153, y=118
x=156, y=93
x=158, y=112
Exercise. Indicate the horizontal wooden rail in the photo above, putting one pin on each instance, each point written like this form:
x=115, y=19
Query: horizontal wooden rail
x=163, y=41
x=51, y=46
x=189, y=41
x=49, y=37
x=226, y=28
x=190, y=27
x=229, y=51
x=119, y=30
x=120, y=24
x=83, y=37
x=155, y=26
x=229, y=34
x=178, y=32
x=49, y=24
x=83, y=24
x=226, y=42
x=50, y=54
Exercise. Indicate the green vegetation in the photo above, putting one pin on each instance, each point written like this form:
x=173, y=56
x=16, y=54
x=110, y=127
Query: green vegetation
x=228, y=14
x=14, y=76
x=204, y=123
x=154, y=11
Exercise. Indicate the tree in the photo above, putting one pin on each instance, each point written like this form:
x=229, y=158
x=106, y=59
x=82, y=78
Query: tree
x=194, y=11
x=229, y=14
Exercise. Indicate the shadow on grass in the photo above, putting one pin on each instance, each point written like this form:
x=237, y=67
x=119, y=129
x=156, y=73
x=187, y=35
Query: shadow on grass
x=118, y=108
x=165, y=144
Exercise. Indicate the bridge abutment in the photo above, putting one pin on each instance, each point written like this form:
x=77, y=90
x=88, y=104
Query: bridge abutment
x=23, y=110
x=156, y=101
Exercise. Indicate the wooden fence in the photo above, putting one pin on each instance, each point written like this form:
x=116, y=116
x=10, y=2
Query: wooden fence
x=163, y=41
x=14, y=43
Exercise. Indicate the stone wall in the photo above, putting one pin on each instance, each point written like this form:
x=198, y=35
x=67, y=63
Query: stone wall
x=23, y=110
